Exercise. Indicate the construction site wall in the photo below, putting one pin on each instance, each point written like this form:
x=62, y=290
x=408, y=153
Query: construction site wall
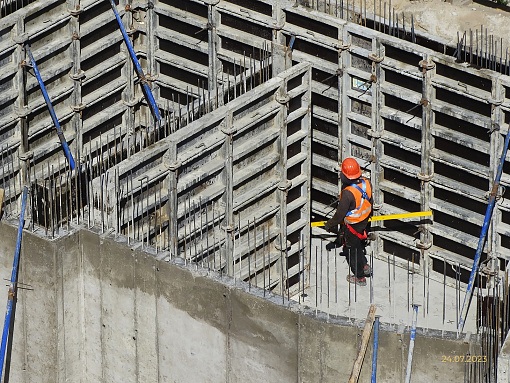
x=427, y=128
x=91, y=308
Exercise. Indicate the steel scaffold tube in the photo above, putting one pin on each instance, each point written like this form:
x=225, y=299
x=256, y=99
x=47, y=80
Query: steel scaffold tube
x=14, y=279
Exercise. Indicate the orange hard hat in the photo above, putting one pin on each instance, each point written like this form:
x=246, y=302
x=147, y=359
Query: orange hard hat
x=350, y=168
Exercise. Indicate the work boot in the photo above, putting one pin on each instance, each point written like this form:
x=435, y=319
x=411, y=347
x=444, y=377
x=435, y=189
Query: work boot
x=367, y=270
x=359, y=281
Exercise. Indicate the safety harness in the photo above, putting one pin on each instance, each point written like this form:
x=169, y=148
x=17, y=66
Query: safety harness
x=364, y=196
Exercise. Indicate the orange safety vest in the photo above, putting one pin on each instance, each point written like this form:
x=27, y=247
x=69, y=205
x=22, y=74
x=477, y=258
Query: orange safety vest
x=362, y=197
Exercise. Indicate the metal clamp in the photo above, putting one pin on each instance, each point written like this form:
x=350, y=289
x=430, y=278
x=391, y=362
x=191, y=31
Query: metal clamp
x=21, y=39
x=131, y=103
x=497, y=192
x=76, y=11
x=279, y=248
x=211, y=2
x=427, y=65
x=285, y=185
x=278, y=25
x=374, y=58
x=425, y=177
x=374, y=133
x=26, y=156
x=23, y=112
x=229, y=131
x=229, y=228
x=342, y=47
x=494, y=127
x=77, y=76
x=174, y=166
x=423, y=246
x=377, y=206
x=494, y=102
x=282, y=99
x=78, y=108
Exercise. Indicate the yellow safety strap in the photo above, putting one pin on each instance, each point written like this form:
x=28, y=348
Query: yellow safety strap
x=427, y=213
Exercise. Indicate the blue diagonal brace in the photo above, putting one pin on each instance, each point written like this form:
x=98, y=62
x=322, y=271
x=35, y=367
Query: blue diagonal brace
x=14, y=279
x=483, y=235
x=60, y=133
x=138, y=68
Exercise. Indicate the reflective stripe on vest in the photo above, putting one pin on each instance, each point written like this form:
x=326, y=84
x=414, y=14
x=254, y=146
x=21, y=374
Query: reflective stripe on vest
x=362, y=197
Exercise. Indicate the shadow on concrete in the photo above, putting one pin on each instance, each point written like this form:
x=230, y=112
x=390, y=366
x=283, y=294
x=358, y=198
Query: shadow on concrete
x=493, y=5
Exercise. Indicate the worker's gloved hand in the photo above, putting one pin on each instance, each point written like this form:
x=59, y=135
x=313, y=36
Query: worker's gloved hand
x=330, y=228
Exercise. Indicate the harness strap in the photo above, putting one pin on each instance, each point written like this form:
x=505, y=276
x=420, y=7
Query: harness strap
x=364, y=196
x=354, y=232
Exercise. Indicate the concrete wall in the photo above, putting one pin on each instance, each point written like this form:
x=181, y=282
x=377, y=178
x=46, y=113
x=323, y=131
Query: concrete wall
x=101, y=311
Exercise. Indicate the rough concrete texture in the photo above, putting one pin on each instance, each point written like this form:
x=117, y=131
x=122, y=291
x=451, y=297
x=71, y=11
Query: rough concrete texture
x=446, y=18
x=35, y=356
x=101, y=311
x=393, y=289
x=504, y=362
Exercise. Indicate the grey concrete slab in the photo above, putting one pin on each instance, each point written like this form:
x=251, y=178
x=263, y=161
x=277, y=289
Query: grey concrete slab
x=192, y=322
x=392, y=289
x=146, y=314
x=90, y=259
x=326, y=351
x=118, y=312
x=263, y=339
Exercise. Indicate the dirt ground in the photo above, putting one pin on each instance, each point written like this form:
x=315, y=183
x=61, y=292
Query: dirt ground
x=443, y=19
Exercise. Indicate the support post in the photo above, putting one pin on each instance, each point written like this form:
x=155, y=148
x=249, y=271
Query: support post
x=426, y=172
x=213, y=44
x=281, y=54
x=138, y=68
x=228, y=197
x=23, y=111
x=343, y=101
x=483, y=235
x=77, y=75
x=280, y=120
x=172, y=209
x=129, y=94
x=14, y=279
x=497, y=120
x=377, y=131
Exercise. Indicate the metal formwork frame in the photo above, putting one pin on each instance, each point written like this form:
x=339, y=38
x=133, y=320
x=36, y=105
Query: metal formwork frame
x=405, y=111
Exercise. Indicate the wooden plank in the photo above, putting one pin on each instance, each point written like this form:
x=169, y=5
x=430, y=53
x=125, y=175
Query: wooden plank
x=367, y=330
x=2, y=194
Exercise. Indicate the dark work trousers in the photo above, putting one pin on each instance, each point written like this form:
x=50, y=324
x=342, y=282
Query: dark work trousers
x=354, y=252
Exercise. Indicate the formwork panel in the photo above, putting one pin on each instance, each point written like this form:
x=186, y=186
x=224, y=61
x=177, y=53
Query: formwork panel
x=197, y=8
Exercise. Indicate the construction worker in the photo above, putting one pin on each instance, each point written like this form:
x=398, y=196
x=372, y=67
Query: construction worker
x=353, y=211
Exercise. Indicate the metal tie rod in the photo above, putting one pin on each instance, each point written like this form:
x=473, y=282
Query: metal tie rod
x=483, y=235
x=387, y=217
x=14, y=278
x=138, y=68
x=60, y=133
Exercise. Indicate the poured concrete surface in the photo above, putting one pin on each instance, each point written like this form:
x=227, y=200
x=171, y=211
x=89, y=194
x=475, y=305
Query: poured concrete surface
x=99, y=310
x=392, y=289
